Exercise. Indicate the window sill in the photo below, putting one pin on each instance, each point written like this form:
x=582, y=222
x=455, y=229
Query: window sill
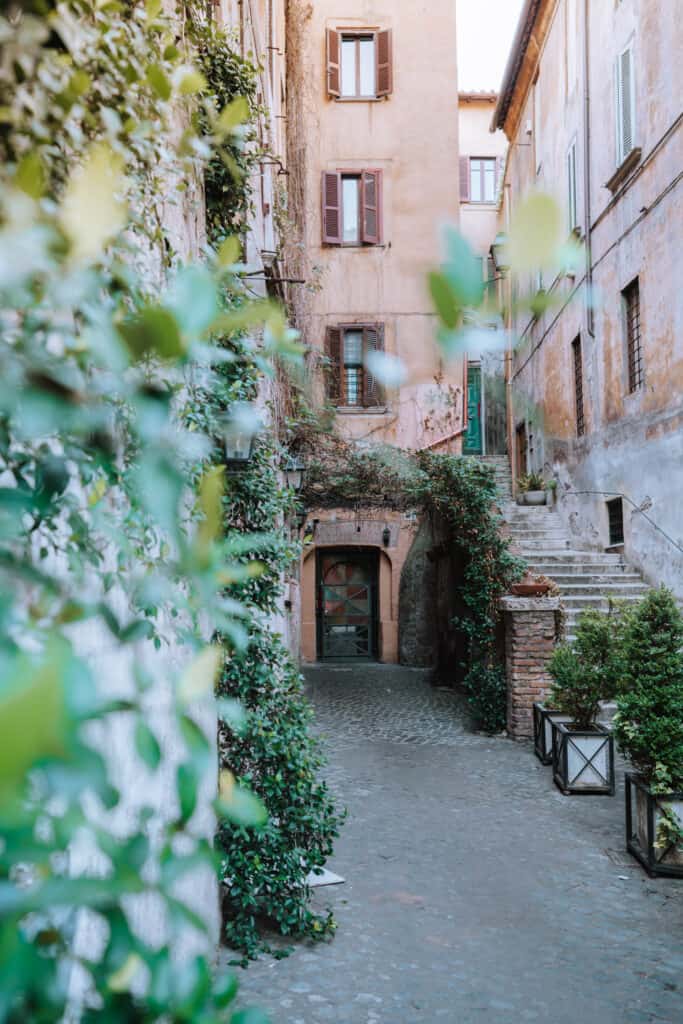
x=487, y=203
x=624, y=169
x=362, y=410
x=358, y=99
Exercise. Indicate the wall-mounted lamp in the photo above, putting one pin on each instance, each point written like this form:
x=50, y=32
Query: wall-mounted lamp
x=498, y=253
x=386, y=536
x=293, y=470
x=239, y=444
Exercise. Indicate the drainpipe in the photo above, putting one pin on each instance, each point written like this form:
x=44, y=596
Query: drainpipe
x=590, y=316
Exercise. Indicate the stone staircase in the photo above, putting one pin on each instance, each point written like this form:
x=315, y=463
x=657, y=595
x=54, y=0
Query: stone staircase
x=587, y=579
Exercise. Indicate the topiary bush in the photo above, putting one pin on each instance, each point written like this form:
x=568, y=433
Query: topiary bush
x=649, y=720
x=591, y=668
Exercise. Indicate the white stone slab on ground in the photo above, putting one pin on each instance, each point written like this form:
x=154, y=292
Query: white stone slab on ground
x=316, y=879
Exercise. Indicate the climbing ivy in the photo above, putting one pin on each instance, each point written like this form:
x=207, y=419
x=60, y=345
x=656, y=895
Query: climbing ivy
x=461, y=493
x=112, y=534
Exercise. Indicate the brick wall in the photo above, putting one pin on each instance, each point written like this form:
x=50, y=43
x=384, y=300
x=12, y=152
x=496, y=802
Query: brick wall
x=532, y=627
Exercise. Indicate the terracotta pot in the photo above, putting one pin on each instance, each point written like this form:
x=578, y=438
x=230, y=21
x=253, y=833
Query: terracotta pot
x=530, y=589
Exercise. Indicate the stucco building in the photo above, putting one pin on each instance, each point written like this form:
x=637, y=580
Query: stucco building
x=591, y=106
x=373, y=160
x=481, y=170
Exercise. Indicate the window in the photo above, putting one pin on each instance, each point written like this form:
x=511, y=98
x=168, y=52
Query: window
x=578, y=386
x=359, y=65
x=352, y=207
x=625, y=104
x=634, y=351
x=349, y=382
x=479, y=176
x=615, y=520
x=572, y=207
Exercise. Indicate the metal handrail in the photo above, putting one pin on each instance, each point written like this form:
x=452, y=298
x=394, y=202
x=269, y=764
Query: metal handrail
x=620, y=494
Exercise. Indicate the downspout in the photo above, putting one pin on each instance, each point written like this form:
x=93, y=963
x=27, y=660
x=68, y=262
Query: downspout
x=590, y=315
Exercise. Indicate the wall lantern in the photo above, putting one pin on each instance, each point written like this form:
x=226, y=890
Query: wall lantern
x=386, y=536
x=239, y=444
x=498, y=253
x=293, y=470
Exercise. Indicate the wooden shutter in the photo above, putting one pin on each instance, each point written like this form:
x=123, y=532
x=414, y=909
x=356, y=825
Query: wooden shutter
x=373, y=341
x=333, y=370
x=385, y=62
x=500, y=173
x=464, y=179
x=332, y=212
x=333, y=63
x=625, y=112
x=371, y=207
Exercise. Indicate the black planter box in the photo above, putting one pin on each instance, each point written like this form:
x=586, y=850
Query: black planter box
x=643, y=813
x=543, y=731
x=583, y=759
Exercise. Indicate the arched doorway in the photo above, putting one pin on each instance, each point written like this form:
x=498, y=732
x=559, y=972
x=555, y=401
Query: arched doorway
x=347, y=604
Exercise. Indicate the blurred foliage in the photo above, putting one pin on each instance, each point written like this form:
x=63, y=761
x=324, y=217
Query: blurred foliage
x=649, y=720
x=112, y=540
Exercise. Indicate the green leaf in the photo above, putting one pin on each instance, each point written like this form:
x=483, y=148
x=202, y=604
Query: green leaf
x=32, y=712
x=232, y=115
x=154, y=331
x=30, y=176
x=194, y=300
x=462, y=269
x=199, y=677
x=445, y=301
x=147, y=745
x=187, y=786
x=251, y=1015
x=230, y=251
x=159, y=82
x=92, y=209
x=535, y=237
x=237, y=804
x=190, y=81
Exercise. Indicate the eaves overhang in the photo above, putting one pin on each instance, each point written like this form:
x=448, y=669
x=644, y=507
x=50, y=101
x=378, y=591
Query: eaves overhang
x=528, y=19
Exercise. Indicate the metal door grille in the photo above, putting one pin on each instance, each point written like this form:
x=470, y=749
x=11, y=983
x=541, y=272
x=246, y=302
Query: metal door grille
x=578, y=386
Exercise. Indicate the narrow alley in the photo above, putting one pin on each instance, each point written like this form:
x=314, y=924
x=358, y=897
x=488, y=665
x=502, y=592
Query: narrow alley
x=474, y=890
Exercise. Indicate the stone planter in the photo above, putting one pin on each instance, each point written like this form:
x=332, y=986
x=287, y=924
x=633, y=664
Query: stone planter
x=543, y=730
x=535, y=497
x=644, y=814
x=583, y=759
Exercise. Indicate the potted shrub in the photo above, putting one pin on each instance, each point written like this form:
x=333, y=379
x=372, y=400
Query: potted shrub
x=649, y=730
x=585, y=673
x=533, y=489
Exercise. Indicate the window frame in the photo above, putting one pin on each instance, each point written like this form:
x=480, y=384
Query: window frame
x=633, y=334
x=482, y=179
x=357, y=36
x=577, y=365
x=360, y=174
x=364, y=327
x=616, y=504
x=383, y=70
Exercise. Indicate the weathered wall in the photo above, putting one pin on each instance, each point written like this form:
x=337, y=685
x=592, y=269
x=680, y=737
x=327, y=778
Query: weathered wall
x=412, y=136
x=358, y=528
x=479, y=221
x=532, y=629
x=633, y=442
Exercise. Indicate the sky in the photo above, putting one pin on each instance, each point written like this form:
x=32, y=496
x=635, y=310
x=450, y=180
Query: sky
x=486, y=29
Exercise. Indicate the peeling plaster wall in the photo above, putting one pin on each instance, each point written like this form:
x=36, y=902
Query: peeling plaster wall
x=633, y=443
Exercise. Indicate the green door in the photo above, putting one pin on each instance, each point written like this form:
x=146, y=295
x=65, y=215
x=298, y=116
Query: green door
x=472, y=445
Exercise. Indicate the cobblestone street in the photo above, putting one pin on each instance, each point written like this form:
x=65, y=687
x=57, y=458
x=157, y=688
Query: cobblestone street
x=474, y=891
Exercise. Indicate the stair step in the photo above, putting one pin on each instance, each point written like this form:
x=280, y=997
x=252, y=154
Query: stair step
x=571, y=555
x=609, y=589
x=598, y=579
